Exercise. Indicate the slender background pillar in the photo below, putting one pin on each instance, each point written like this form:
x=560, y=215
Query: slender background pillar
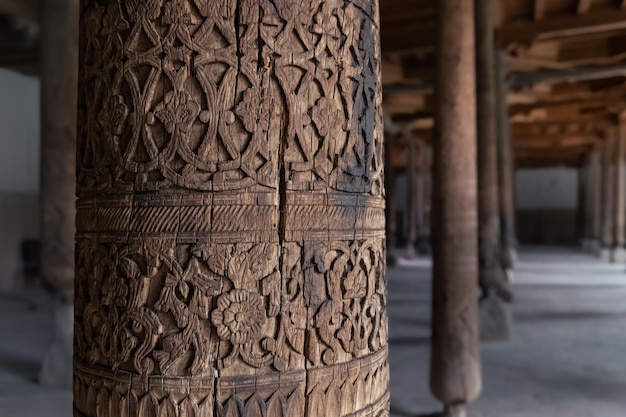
x=619, y=252
x=391, y=200
x=412, y=194
x=231, y=224
x=608, y=196
x=491, y=274
x=597, y=167
x=455, y=374
x=505, y=165
x=59, y=73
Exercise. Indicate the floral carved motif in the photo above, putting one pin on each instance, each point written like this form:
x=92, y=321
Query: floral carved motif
x=230, y=256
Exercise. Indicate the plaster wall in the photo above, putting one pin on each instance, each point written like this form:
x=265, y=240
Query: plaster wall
x=546, y=205
x=19, y=171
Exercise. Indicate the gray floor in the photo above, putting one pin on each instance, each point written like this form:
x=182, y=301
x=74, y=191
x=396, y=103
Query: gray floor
x=568, y=357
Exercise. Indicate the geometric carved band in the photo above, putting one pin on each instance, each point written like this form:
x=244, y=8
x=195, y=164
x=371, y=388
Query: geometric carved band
x=357, y=388
x=201, y=217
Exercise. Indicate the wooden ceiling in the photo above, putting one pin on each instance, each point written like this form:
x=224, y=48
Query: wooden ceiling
x=566, y=61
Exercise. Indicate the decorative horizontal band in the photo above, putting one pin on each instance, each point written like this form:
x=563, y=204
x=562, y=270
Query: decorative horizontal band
x=357, y=388
x=252, y=218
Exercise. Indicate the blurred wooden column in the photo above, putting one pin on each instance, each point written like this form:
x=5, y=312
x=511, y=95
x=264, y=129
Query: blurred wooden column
x=491, y=276
x=608, y=197
x=495, y=315
x=619, y=252
x=506, y=170
x=597, y=193
x=391, y=200
x=59, y=73
x=412, y=194
x=455, y=372
x=582, y=173
x=422, y=197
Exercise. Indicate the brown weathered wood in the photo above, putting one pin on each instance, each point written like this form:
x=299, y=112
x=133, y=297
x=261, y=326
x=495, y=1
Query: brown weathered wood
x=391, y=196
x=505, y=162
x=59, y=73
x=412, y=194
x=455, y=376
x=539, y=9
x=230, y=246
x=491, y=274
x=608, y=190
x=620, y=193
x=596, y=166
x=583, y=6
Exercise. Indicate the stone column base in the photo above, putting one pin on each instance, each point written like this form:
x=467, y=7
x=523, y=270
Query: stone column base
x=56, y=370
x=585, y=245
x=496, y=319
x=605, y=254
x=618, y=255
x=594, y=247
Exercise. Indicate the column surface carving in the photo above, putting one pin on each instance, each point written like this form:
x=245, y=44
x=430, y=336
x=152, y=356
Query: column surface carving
x=231, y=217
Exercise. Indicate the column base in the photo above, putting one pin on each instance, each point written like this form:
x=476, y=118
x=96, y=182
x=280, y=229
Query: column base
x=585, y=245
x=56, y=370
x=496, y=319
x=410, y=252
x=594, y=247
x=618, y=255
x=605, y=254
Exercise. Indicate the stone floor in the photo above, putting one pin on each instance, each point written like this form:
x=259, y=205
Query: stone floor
x=567, y=358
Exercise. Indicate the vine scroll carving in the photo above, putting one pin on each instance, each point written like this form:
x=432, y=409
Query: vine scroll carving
x=230, y=246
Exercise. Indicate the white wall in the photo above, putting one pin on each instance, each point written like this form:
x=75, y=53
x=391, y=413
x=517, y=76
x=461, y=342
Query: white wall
x=19, y=132
x=547, y=188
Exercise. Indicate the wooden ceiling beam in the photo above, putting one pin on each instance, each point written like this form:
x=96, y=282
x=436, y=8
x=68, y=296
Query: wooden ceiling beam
x=563, y=26
x=540, y=9
x=583, y=6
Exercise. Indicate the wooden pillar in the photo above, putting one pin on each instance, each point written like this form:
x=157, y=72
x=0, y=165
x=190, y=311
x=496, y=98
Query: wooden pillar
x=412, y=195
x=422, y=197
x=619, y=252
x=391, y=200
x=608, y=200
x=597, y=187
x=491, y=275
x=230, y=225
x=506, y=175
x=588, y=202
x=59, y=73
x=581, y=201
x=455, y=375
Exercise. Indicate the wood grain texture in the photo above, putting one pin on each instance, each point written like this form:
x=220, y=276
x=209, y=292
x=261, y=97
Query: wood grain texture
x=230, y=248
x=455, y=375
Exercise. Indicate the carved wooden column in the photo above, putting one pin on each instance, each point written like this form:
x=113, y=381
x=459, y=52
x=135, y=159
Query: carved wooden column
x=412, y=195
x=608, y=198
x=59, y=73
x=506, y=171
x=230, y=247
x=491, y=275
x=455, y=376
x=619, y=252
